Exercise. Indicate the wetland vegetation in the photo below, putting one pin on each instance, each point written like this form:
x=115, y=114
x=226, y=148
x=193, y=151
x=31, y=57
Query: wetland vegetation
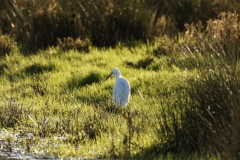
x=185, y=92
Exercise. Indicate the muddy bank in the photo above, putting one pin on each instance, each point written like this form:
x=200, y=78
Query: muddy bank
x=11, y=148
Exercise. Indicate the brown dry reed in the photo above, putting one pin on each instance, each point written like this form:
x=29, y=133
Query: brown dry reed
x=39, y=25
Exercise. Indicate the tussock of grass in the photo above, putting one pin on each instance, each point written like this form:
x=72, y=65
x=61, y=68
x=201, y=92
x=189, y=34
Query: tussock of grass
x=7, y=44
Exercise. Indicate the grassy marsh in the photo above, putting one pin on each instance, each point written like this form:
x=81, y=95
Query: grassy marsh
x=53, y=93
x=184, y=101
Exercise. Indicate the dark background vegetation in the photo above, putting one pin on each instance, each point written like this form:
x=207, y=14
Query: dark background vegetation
x=78, y=24
x=36, y=25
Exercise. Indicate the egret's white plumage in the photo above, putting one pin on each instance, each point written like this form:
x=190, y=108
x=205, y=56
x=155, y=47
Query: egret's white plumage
x=121, y=90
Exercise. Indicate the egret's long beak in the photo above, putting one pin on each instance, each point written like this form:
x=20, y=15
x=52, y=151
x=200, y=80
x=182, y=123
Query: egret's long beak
x=108, y=76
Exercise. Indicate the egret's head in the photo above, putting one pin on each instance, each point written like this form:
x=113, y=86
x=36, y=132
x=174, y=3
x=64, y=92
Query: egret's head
x=115, y=72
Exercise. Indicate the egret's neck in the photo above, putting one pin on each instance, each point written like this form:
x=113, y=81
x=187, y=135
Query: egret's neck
x=118, y=76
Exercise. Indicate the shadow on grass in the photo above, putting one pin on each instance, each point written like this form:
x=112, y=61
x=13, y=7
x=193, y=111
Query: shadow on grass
x=77, y=81
x=142, y=63
x=39, y=68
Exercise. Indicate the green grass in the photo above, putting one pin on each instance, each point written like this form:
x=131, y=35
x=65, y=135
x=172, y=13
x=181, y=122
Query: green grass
x=63, y=97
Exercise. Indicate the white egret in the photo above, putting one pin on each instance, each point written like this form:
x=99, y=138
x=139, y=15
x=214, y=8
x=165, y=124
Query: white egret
x=121, y=90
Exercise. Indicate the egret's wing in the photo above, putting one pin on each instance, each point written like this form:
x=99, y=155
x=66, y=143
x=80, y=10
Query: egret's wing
x=118, y=90
x=121, y=92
